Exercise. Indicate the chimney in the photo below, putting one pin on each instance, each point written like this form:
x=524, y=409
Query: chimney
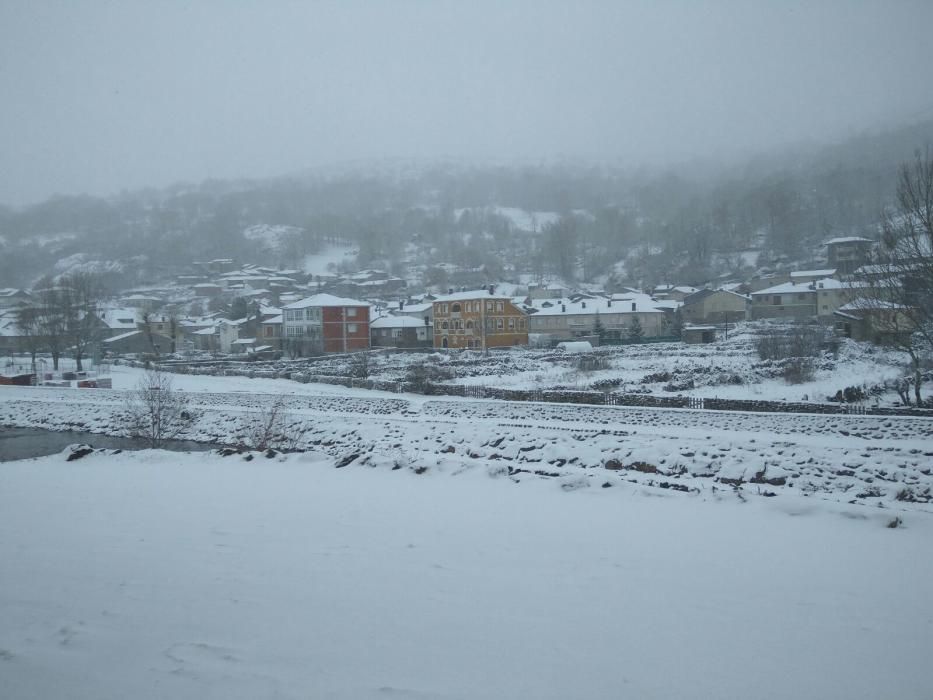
x=634, y=305
x=582, y=304
x=450, y=290
x=609, y=304
x=492, y=289
x=401, y=305
x=563, y=308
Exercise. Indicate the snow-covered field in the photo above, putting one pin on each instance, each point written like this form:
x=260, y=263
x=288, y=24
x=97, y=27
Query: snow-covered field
x=728, y=369
x=161, y=575
x=879, y=462
x=451, y=548
x=326, y=261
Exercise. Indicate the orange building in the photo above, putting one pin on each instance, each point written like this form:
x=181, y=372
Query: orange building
x=478, y=320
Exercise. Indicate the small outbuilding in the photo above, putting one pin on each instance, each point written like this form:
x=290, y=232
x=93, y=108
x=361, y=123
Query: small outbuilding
x=699, y=335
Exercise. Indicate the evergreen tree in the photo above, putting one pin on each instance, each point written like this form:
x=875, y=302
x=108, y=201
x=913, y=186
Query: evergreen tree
x=599, y=330
x=635, y=331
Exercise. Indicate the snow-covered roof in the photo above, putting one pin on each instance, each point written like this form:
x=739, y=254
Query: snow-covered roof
x=703, y=293
x=274, y=320
x=471, y=295
x=417, y=308
x=244, y=341
x=324, y=300
x=587, y=307
x=813, y=273
x=122, y=336
x=118, y=319
x=396, y=322
x=9, y=329
x=869, y=304
x=847, y=239
x=801, y=287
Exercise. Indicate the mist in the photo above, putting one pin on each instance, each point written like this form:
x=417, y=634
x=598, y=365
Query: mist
x=102, y=97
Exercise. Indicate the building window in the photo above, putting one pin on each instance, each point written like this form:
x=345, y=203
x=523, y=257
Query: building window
x=521, y=324
x=489, y=306
x=776, y=300
x=443, y=308
x=469, y=325
x=455, y=308
x=500, y=306
x=511, y=324
x=351, y=328
x=499, y=324
x=445, y=325
x=351, y=313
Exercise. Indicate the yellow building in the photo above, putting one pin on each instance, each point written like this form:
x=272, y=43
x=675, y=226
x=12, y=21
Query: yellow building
x=479, y=320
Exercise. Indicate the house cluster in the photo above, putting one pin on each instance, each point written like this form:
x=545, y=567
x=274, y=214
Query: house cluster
x=291, y=312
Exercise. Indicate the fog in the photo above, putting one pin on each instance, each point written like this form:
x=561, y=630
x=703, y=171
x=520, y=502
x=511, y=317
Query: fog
x=100, y=96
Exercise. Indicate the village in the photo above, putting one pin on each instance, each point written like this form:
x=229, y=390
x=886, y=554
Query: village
x=221, y=308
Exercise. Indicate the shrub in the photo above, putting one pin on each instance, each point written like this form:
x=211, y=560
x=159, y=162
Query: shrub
x=798, y=370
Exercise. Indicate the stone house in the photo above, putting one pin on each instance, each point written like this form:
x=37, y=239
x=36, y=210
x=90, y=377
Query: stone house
x=715, y=306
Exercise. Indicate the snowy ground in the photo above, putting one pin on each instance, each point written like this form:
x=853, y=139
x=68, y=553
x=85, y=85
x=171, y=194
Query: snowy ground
x=159, y=575
x=325, y=262
x=878, y=462
x=728, y=369
x=466, y=549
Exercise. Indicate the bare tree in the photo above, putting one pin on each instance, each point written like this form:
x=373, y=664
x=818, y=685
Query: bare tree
x=51, y=321
x=155, y=411
x=898, y=299
x=271, y=427
x=30, y=329
x=80, y=296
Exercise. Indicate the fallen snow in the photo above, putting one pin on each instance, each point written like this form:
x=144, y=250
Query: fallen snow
x=159, y=575
x=870, y=461
x=325, y=261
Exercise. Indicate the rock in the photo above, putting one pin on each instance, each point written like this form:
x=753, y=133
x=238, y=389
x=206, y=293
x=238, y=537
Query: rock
x=78, y=451
x=344, y=461
x=644, y=467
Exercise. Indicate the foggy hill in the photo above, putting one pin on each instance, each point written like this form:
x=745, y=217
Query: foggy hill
x=612, y=223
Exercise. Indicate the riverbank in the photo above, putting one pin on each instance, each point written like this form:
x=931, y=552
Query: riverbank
x=29, y=443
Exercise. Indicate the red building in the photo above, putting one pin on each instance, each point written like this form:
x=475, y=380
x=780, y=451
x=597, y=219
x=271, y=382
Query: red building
x=325, y=323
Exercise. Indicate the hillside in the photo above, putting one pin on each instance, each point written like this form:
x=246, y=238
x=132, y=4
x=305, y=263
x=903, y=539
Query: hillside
x=570, y=220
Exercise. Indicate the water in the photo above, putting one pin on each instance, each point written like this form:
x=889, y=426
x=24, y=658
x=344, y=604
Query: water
x=24, y=443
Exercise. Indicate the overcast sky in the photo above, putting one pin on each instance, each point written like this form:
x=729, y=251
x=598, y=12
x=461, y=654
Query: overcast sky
x=101, y=96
